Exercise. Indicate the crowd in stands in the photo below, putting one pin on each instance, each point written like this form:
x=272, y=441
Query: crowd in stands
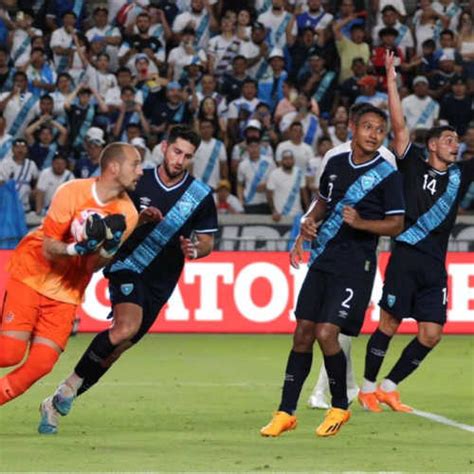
x=268, y=85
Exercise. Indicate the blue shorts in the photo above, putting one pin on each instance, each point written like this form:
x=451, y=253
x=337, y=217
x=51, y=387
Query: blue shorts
x=130, y=287
x=415, y=286
x=334, y=298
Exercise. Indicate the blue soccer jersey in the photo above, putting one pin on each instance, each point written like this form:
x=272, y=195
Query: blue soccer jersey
x=432, y=201
x=153, y=250
x=375, y=190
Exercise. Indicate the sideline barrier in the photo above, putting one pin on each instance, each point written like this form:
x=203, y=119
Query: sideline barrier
x=255, y=292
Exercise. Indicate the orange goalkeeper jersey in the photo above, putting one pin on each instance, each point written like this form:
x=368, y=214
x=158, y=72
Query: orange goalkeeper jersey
x=66, y=278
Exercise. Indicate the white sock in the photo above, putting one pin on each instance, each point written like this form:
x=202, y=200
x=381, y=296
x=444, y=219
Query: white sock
x=368, y=386
x=73, y=383
x=388, y=386
x=322, y=385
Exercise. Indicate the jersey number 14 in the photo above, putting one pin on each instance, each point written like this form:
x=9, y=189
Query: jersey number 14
x=429, y=184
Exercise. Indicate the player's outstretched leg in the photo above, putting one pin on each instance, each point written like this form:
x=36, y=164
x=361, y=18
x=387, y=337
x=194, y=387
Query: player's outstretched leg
x=297, y=370
x=375, y=353
x=320, y=393
x=429, y=334
x=39, y=362
x=336, y=367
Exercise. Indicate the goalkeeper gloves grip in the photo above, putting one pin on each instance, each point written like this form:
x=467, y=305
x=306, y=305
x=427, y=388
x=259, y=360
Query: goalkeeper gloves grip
x=115, y=226
x=94, y=235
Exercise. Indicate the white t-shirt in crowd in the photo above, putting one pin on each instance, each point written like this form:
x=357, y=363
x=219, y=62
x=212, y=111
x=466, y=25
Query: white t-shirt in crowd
x=195, y=20
x=178, y=58
x=13, y=107
x=242, y=104
x=232, y=201
x=272, y=22
x=240, y=153
x=49, y=181
x=288, y=119
x=302, y=153
x=202, y=157
x=420, y=113
x=63, y=39
x=21, y=39
x=101, y=82
x=23, y=174
x=245, y=174
x=282, y=184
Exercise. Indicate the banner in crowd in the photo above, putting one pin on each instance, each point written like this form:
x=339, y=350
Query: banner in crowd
x=255, y=292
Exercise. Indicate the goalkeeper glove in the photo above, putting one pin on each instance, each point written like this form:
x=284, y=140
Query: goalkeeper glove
x=94, y=235
x=115, y=226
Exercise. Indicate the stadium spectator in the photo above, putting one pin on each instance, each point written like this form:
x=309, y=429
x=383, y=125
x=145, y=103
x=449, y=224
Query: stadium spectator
x=349, y=90
x=22, y=170
x=21, y=37
x=88, y=163
x=350, y=48
x=208, y=111
x=252, y=175
x=280, y=24
x=49, y=181
x=17, y=105
x=302, y=114
x=44, y=137
x=286, y=188
x=62, y=42
x=226, y=203
x=420, y=110
x=314, y=165
x=302, y=152
x=210, y=160
x=457, y=107
x=440, y=81
x=270, y=86
x=6, y=140
x=232, y=81
x=223, y=48
x=256, y=51
x=465, y=44
x=369, y=93
x=319, y=83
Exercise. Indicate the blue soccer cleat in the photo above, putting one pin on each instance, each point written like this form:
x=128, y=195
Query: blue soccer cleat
x=61, y=402
x=49, y=417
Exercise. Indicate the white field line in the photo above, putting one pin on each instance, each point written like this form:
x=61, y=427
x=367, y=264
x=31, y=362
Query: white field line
x=443, y=420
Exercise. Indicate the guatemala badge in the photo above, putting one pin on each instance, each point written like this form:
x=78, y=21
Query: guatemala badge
x=391, y=300
x=367, y=182
x=126, y=288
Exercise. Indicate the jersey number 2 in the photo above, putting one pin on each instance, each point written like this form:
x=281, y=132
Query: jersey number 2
x=345, y=303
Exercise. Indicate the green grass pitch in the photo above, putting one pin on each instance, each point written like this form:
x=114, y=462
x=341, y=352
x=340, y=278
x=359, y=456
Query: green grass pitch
x=196, y=403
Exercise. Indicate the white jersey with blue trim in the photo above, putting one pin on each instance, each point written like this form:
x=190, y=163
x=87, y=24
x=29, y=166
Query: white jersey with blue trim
x=375, y=190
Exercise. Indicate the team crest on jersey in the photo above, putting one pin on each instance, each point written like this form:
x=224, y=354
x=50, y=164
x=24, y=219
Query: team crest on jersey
x=367, y=182
x=185, y=206
x=333, y=177
x=455, y=179
x=391, y=300
x=9, y=317
x=126, y=288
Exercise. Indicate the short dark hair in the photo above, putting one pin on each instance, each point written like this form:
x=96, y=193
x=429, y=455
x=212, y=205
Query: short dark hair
x=123, y=69
x=185, y=133
x=436, y=132
x=69, y=12
x=20, y=73
x=143, y=14
x=127, y=88
x=368, y=109
x=447, y=32
x=46, y=97
x=41, y=50
x=249, y=80
x=296, y=124
x=324, y=138
x=389, y=8
x=429, y=43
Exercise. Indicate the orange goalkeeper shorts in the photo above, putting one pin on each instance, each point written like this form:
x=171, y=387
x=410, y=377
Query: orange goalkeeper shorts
x=24, y=309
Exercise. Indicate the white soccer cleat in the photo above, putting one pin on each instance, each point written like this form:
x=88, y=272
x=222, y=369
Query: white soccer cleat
x=318, y=400
x=49, y=417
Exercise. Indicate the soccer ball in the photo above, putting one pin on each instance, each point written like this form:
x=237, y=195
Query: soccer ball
x=79, y=222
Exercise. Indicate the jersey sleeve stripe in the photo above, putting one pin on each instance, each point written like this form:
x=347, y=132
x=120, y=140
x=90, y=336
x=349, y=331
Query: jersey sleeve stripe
x=395, y=211
x=205, y=231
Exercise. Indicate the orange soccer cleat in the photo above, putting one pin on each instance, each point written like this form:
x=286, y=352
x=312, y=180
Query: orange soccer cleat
x=392, y=399
x=335, y=418
x=280, y=423
x=369, y=402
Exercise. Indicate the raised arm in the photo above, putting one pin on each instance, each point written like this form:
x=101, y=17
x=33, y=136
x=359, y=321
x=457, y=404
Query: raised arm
x=401, y=135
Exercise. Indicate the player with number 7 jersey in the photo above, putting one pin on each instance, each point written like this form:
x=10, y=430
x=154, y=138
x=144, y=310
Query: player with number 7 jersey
x=416, y=280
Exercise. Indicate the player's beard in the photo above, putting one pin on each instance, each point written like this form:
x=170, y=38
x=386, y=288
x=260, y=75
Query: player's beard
x=172, y=174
